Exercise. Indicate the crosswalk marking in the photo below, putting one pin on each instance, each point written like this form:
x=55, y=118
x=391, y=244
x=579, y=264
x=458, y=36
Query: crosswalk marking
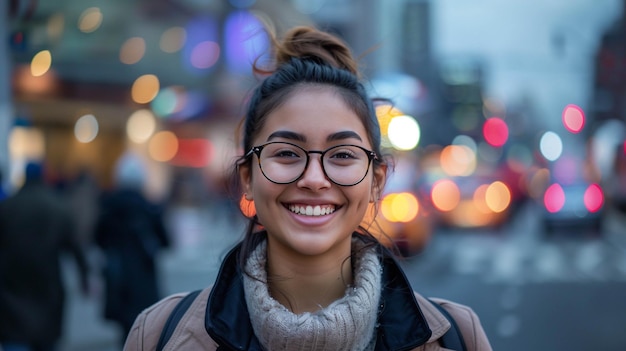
x=535, y=262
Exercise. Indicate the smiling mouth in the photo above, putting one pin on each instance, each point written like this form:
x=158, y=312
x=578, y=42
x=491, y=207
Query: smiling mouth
x=308, y=210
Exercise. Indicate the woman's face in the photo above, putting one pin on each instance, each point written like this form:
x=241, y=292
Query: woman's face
x=314, y=118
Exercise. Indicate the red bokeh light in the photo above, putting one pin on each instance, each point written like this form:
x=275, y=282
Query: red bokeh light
x=495, y=131
x=594, y=198
x=554, y=198
x=195, y=153
x=573, y=118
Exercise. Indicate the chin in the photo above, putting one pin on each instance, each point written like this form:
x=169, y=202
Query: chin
x=313, y=244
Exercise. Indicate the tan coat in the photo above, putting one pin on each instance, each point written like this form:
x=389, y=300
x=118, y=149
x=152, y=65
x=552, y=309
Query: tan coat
x=191, y=334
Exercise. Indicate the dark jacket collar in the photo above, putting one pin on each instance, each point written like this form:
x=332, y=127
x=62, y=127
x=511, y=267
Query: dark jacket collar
x=402, y=325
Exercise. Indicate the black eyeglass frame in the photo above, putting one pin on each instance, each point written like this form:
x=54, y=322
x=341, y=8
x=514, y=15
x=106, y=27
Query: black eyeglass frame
x=371, y=155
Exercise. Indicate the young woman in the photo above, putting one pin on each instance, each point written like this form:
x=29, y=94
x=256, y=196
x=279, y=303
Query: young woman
x=308, y=275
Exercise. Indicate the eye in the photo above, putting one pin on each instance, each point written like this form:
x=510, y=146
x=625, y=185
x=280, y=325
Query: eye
x=344, y=152
x=282, y=151
x=286, y=153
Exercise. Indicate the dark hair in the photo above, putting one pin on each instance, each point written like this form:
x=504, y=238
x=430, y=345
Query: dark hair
x=305, y=56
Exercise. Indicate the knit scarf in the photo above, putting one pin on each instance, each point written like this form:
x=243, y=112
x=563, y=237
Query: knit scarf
x=347, y=324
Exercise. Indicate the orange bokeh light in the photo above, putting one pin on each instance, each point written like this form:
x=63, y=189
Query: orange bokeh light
x=445, y=195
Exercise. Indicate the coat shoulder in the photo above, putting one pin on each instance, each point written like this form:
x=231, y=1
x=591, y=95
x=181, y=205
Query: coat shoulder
x=189, y=334
x=147, y=328
x=468, y=323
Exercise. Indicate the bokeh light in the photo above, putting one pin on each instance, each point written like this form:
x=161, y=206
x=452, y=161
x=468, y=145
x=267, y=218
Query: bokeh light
x=86, y=128
x=400, y=207
x=173, y=39
x=205, y=54
x=145, y=88
x=445, y=195
x=201, y=50
x=195, y=153
x=41, y=63
x=554, y=198
x=26, y=143
x=404, y=132
x=163, y=146
x=551, y=146
x=593, y=198
x=168, y=101
x=140, y=126
x=132, y=50
x=573, y=118
x=495, y=131
x=498, y=196
x=457, y=160
x=245, y=41
x=90, y=20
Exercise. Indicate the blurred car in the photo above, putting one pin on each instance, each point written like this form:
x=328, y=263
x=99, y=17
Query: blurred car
x=573, y=207
x=464, y=192
x=402, y=220
x=402, y=224
x=471, y=201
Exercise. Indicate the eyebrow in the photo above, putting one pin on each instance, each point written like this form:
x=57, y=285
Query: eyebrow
x=285, y=134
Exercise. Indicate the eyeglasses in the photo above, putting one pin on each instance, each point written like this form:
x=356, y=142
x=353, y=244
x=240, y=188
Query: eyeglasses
x=284, y=163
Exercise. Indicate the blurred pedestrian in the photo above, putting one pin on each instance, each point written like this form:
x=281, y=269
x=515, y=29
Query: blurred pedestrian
x=308, y=274
x=36, y=228
x=130, y=231
x=82, y=193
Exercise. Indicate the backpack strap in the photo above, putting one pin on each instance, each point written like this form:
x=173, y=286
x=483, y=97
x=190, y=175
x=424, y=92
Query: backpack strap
x=175, y=316
x=452, y=339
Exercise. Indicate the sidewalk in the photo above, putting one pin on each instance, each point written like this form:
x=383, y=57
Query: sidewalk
x=201, y=238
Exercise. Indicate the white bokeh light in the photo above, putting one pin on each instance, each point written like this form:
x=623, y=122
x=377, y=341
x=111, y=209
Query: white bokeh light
x=551, y=146
x=140, y=126
x=86, y=128
x=404, y=132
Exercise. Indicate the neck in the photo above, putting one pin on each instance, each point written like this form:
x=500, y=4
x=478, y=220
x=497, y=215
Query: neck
x=308, y=284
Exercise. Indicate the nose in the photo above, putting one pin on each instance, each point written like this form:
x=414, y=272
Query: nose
x=314, y=177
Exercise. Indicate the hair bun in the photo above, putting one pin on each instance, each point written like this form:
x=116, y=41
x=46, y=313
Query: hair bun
x=310, y=43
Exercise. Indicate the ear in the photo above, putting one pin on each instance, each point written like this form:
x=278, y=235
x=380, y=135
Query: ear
x=380, y=177
x=245, y=177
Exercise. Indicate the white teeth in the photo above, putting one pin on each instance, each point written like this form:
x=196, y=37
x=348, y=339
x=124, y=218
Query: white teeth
x=312, y=210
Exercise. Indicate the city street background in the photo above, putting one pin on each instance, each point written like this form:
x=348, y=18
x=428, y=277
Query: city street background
x=512, y=190
x=532, y=292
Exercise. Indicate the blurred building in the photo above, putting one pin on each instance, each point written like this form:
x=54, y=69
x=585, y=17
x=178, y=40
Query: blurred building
x=609, y=79
x=90, y=79
x=168, y=77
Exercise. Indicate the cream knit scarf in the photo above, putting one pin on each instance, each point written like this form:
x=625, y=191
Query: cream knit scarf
x=347, y=324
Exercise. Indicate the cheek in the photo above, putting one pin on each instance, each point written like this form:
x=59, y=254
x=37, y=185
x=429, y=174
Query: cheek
x=262, y=190
x=361, y=196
